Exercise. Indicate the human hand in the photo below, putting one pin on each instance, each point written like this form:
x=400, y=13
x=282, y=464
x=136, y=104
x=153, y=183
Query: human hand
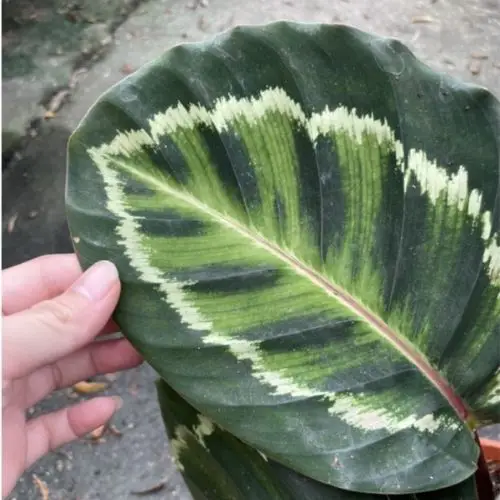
x=51, y=316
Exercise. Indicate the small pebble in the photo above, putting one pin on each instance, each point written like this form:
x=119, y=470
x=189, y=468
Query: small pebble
x=475, y=67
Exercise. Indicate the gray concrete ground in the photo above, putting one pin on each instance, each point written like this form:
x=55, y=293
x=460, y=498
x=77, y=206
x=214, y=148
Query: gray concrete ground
x=45, y=45
x=461, y=37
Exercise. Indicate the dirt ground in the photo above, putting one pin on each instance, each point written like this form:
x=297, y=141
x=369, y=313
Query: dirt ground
x=59, y=73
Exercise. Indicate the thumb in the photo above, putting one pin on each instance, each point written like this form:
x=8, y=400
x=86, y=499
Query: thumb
x=54, y=328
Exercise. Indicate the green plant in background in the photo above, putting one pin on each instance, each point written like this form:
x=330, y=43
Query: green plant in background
x=306, y=223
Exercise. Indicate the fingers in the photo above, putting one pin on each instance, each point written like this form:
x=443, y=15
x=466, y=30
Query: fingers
x=97, y=358
x=39, y=279
x=50, y=431
x=55, y=328
x=109, y=327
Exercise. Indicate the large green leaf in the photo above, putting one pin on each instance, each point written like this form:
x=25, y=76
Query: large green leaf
x=217, y=466
x=306, y=223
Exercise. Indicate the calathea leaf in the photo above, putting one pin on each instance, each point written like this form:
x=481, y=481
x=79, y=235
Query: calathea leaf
x=217, y=466
x=306, y=223
x=487, y=400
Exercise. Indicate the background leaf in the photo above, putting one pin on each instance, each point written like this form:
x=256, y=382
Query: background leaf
x=305, y=220
x=217, y=466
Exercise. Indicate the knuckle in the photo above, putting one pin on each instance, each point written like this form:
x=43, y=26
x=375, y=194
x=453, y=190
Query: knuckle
x=57, y=376
x=56, y=313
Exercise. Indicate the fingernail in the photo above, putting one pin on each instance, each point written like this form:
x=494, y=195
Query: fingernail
x=97, y=281
x=119, y=402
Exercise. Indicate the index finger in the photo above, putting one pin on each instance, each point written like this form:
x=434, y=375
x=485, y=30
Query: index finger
x=36, y=280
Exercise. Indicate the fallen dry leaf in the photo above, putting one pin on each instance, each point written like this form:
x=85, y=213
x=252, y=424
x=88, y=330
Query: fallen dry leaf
x=73, y=81
x=114, y=430
x=89, y=387
x=98, y=433
x=58, y=99
x=422, y=19
x=146, y=490
x=479, y=55
x=42, y=486
x=126, y=69
x=475, y=67
x=11, y=224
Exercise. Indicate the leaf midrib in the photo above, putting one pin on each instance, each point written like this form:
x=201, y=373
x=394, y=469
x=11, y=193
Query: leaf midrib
x=401, y=343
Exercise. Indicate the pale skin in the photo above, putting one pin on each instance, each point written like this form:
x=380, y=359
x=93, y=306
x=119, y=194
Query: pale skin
x=52, y=315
